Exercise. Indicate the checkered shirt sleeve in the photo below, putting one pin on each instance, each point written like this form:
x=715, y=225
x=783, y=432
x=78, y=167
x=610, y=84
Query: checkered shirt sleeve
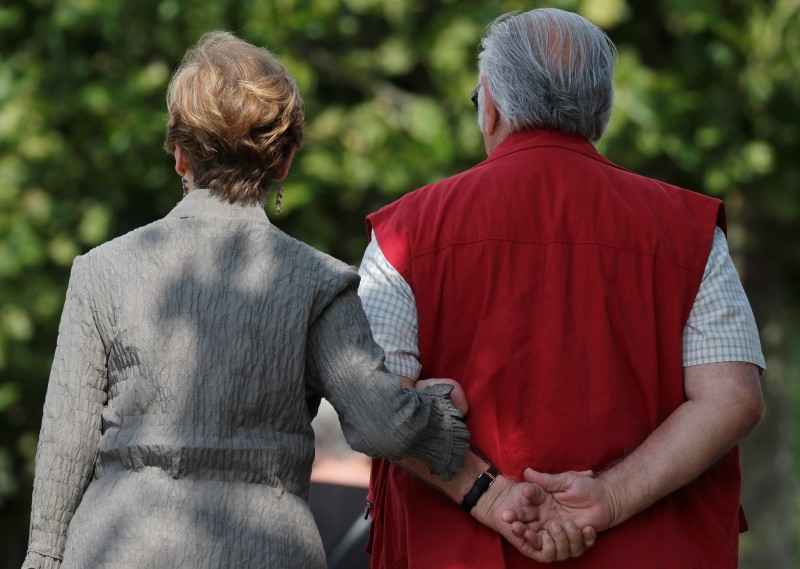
x=721, y=326
x=392, y=312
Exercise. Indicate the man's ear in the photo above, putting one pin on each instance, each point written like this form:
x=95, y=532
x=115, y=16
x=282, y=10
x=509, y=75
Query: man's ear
x=284, y=171
x=490, y=114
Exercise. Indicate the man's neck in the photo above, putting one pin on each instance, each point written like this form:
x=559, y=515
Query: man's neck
x=498, y=134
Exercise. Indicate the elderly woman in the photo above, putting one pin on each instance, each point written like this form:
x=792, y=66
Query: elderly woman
x=193, y=353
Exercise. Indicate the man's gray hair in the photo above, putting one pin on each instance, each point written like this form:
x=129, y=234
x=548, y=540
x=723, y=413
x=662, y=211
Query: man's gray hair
x=549, y=69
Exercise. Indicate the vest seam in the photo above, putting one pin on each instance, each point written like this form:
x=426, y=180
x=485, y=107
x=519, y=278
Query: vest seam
x=631, y=249
x=538, y=343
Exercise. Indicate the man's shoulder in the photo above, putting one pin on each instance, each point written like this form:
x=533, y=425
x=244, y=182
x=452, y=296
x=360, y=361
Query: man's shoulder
x=415, y=200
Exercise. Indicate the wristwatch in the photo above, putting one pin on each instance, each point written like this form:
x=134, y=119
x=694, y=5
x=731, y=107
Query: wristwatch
x=481, y=485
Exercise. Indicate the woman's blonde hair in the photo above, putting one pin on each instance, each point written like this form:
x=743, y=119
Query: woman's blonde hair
x=236, y=111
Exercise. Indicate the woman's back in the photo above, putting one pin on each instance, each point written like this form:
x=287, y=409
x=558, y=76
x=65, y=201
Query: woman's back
x=204, y=316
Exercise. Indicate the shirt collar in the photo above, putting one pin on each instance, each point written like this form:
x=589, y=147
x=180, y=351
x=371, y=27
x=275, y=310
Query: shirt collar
x=202, y=203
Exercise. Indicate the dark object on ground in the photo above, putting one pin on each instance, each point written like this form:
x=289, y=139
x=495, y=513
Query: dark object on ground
x=339, y=513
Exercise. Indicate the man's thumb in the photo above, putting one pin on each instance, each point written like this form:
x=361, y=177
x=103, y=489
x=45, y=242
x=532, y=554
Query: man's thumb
x=550, y=482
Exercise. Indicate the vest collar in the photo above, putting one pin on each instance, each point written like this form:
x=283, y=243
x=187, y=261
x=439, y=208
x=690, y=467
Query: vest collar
x=539, y=138
x=202, y=203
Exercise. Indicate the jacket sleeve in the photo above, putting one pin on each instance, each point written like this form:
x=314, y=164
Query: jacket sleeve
x=378, y=416
x=70, y=433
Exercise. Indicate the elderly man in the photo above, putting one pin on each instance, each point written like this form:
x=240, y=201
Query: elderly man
x=593, y=317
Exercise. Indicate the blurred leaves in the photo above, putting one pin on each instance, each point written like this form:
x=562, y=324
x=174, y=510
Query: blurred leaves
x=707, y=98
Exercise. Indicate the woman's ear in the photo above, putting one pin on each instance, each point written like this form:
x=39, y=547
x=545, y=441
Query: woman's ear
x=182, y=164
x=284, y=171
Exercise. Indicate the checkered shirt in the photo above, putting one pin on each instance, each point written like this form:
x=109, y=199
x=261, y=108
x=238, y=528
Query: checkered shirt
x=720, y=328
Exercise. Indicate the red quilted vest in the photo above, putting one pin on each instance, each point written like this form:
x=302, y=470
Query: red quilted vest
x=555, y=286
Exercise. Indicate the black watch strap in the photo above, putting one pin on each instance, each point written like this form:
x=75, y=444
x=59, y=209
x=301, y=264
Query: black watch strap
x=479, y=488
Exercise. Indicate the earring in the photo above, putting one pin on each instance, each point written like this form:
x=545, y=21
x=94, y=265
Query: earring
x=278, y=199
x=185, y=186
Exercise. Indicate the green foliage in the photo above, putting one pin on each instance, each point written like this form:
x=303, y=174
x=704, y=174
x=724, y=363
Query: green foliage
x=707, y=93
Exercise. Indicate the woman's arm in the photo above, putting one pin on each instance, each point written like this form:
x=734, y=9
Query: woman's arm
x=70, y=425
x=378, y=416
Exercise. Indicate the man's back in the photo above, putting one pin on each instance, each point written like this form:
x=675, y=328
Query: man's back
x=555, y=286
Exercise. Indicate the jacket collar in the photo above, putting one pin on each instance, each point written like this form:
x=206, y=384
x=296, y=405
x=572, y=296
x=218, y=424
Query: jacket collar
x=202, y=203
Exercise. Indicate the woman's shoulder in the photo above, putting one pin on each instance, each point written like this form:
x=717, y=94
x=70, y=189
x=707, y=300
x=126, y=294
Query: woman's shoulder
x=111, y=249
x=303, y=253
x=322, y=275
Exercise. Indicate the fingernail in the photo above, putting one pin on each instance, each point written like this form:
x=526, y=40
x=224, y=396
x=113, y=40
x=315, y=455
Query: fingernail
x=570, y=526
x=554, y=527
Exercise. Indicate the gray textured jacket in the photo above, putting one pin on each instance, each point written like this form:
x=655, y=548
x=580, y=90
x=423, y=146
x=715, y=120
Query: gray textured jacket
x=191, y=357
